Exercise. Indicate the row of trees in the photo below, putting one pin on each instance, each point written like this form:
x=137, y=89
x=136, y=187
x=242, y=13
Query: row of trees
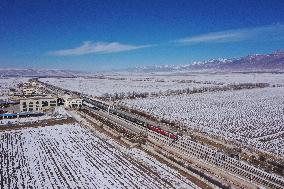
x=133, y=94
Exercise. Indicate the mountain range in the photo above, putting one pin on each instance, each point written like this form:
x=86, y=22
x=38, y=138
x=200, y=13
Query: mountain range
x=273, y=62
x=26, y=72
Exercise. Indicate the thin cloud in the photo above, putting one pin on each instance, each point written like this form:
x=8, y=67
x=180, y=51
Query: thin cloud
x=265, y=33
x=89, y=47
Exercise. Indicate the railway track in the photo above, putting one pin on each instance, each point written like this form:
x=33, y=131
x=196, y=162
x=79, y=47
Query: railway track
x=200, y=183
x=204, y=154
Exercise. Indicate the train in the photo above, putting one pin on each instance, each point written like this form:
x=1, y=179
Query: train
x=20, y=115
x=97, y=105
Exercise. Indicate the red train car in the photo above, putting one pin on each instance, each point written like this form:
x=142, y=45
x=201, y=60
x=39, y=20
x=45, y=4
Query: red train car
x=173, y=136
x=162, y=132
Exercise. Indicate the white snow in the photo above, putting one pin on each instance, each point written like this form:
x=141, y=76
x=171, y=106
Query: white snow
x=99, y=87
x=68, y=156
x=244, y=116
x=158, y=83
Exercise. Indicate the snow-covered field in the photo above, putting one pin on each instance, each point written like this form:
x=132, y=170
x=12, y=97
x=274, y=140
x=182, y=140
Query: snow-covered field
x=235, y=78
x=253, y=117
x=128, y=84
x=99, y=87
x=226, y=78
x=69, y=156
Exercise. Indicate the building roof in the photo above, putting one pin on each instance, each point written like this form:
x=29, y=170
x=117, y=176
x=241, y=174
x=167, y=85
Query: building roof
x=37, y=98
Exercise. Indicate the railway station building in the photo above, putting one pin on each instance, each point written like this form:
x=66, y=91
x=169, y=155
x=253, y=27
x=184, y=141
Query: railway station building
x=37, y=104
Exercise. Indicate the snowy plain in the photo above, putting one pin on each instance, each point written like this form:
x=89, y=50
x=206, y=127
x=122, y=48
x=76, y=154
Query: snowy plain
x=235, y=78
x=99, y=87
x=158, y=83
x=253, y=117
x=69, y=156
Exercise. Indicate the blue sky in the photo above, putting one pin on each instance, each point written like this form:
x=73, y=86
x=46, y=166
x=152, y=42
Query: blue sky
x=110, y=34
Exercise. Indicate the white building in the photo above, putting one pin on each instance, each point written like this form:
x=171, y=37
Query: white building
x=34, y=84
x=31, y=88
x=70, y=102
x=28, y=91
x=37, y=104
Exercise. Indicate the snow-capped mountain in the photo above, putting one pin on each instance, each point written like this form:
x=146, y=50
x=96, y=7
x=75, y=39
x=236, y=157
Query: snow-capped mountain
x=273, y=62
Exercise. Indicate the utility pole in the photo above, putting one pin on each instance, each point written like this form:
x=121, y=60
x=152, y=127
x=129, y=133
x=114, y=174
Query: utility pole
x=109, y=105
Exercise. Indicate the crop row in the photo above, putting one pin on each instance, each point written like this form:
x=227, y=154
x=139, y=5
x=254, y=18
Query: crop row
x=246, y=116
